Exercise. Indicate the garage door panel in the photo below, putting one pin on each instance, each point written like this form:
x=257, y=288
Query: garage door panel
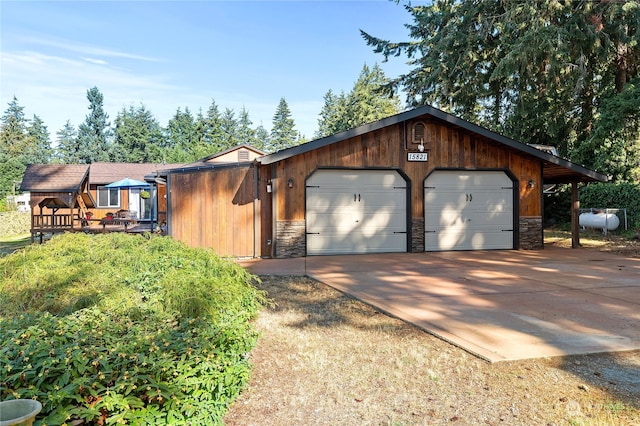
x=378, y=243
x=356, y=211
x=468, y=210
x=459, y=239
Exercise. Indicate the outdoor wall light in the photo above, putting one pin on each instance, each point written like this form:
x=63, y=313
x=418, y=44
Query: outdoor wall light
x=290, y=182
x=269, y=187
x=531, y=183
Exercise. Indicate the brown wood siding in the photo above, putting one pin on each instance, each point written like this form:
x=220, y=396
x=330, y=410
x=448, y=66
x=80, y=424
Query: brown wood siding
x=385, y=148
x=215, y=209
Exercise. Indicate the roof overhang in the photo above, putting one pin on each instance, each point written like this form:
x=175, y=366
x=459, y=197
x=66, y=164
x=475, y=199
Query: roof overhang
x=555, y=169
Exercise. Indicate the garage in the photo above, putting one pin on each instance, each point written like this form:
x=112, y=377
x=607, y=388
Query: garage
x=468, y=210
x=356, y=211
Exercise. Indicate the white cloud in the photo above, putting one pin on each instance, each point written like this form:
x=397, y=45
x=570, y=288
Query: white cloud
x=86, y=49
x=95, y=61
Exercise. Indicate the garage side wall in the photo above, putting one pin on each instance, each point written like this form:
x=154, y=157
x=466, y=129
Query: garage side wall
x=447, y=147
x=214, y=208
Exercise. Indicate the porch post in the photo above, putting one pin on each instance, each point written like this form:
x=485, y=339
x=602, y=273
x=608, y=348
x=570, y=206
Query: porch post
x=575, y=213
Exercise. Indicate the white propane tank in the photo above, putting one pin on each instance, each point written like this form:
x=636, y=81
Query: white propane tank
x=608, y=221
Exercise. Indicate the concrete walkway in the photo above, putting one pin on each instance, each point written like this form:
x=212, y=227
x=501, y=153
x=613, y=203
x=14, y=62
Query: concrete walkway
x=498, y=305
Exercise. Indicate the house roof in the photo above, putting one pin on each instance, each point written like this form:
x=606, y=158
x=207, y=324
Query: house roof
x=555, y=169
x=105, y=173
x=54, y=177
x=217, y=155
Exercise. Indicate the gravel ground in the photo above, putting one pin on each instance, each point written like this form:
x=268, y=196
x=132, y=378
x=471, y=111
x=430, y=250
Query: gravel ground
x=327, y=359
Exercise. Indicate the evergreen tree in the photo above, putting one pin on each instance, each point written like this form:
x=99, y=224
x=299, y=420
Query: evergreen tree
x=38, y=148
x=539, y=71
x=366, y=103
x=283, y=133
x=94, y=135
x=333, y=116
x=181, y=138
x=246, y=134
x=11, y=172
x=68, y=149
x=13, y=130
x=213, y=132
x=138, y=136
x=229, y=127
x=261, y=138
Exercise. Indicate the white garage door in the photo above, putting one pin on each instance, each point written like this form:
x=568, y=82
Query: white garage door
x=468, y=210
x=356, y=211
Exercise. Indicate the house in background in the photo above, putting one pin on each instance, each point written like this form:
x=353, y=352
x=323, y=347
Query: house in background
x=422, y=180
x=132, y=200
x=65, y=197
x=59, y=196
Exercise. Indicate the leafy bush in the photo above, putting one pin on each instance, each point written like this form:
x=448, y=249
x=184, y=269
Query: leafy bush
x=12, y=223
x=618, y=195
x=596, y=195
x=117, y=328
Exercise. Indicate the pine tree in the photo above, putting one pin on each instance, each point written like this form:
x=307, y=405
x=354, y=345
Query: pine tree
x=94, y=135
x=38, y=148
x=283, y=133
x=246, y=134
x=261, y=138
x=68, y=149
x=213, y=132
x=538, y=71
x=13, y=130
x=366, y=103
x=138, y=136
x=229, y=127
x=181, y=137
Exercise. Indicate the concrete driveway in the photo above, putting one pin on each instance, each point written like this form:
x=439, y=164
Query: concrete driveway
x=498, y=305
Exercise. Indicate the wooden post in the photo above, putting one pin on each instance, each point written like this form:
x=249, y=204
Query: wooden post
x=575, y=213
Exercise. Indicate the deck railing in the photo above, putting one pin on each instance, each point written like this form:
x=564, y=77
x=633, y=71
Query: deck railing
x=47, y=222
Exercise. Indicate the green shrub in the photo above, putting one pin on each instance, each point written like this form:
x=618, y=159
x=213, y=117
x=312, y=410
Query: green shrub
x=610, y=195
x=557, y=209
x=117, y=328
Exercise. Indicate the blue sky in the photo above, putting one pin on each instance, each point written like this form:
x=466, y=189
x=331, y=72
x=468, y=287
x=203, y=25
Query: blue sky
x=167, y=55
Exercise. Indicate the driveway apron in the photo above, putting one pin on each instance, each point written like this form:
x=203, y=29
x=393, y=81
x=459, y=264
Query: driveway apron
x=498, y=305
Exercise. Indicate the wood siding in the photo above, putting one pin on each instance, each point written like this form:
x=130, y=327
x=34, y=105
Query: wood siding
x=448, y=148
x=214, y=208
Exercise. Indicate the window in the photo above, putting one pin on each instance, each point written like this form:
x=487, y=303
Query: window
x=108, y=197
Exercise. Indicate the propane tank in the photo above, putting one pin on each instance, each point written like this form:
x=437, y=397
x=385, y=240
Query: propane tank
x=605, y=221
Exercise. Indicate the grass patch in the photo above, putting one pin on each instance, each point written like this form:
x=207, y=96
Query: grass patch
x=117, y=328
x=11, y=243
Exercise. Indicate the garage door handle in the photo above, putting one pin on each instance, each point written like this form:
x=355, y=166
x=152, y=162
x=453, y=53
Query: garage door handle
x=354, y=198
x=507, y=230
x=313, y=233
x=358, y=197
x=399, y=232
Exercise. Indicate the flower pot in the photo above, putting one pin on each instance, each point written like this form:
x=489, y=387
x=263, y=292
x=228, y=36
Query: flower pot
x=19, y=412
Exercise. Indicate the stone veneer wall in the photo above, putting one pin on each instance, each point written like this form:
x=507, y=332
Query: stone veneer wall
x=417, y=235
x=531, y=233
x=290, y=238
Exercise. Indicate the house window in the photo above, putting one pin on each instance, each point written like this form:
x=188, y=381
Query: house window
x=108, y=197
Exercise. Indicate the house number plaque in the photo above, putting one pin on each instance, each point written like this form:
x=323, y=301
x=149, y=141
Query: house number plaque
x=417, y=156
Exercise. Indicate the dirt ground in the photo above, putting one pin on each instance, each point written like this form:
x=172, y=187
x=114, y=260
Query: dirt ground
x=327, y=359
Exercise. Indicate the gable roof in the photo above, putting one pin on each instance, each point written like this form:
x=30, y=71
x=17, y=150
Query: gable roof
x=105, y=173
x=555, y=169
x=54, y=177
x=217, y=155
